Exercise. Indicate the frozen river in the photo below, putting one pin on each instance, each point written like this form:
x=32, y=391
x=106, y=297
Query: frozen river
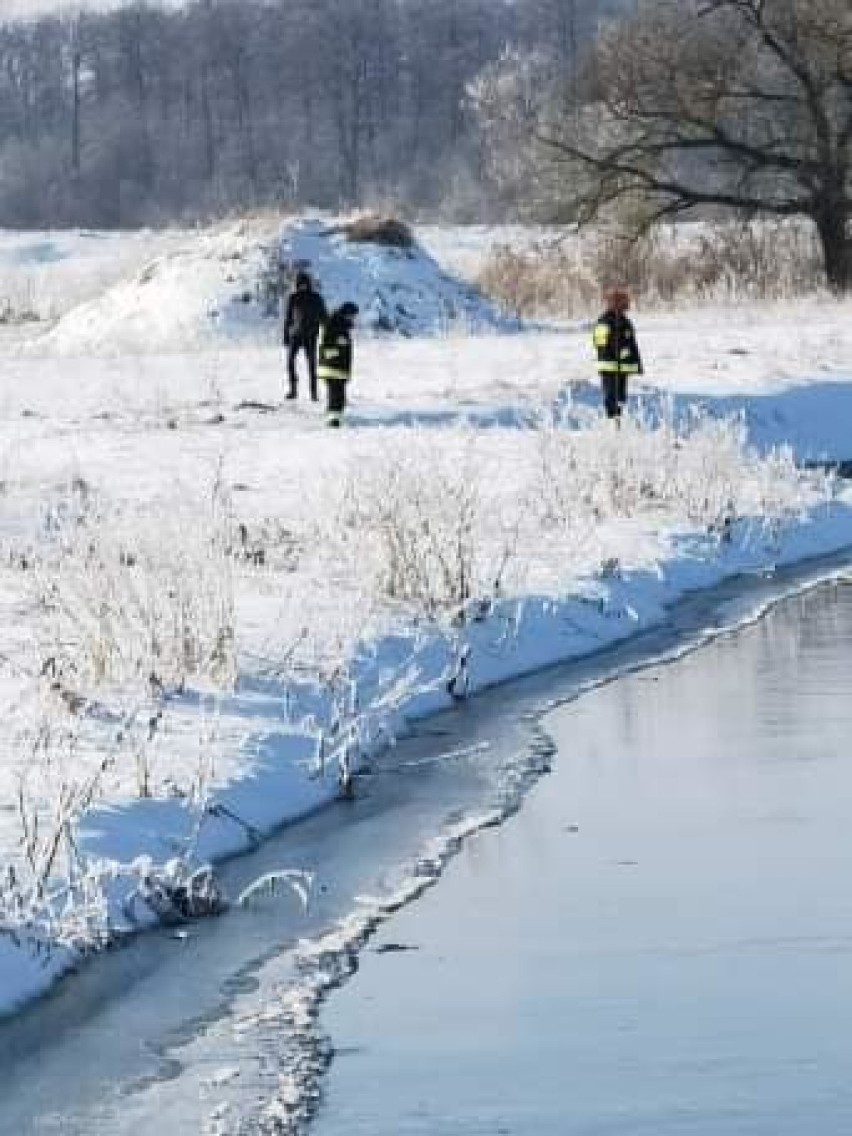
x=660, y=942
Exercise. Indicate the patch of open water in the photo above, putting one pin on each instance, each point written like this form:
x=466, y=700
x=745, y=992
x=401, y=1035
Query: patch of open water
x=660, y=942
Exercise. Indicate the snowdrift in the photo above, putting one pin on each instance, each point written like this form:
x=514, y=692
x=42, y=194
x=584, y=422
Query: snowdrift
x=214, y=292
x=186, y=299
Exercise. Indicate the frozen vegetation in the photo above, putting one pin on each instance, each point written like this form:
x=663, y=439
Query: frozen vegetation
x=214, y=610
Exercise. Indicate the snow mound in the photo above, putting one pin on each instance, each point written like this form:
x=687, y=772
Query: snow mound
x=215, y=291
x=186, y=299
x=402, y=290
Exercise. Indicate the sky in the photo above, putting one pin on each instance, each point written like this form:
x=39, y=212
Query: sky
x=16, y=9
x=11, y=9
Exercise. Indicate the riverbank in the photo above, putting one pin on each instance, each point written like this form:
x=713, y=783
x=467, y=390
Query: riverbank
x=217, y=1026
x=511, y=640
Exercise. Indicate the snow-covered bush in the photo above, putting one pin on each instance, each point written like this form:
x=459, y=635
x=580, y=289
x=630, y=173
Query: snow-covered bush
x=128, y=599
x=437, y=528
x=50, y=895
x=53, y=894
x=653, y=467
x=419, y=522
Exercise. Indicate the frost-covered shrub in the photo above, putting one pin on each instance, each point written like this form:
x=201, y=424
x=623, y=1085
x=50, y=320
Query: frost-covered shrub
x=48, y=892
x=699, y=468
x=672, y=264
x=126, y=598
x=437, y=526
x=420, y=525
x=54, y=894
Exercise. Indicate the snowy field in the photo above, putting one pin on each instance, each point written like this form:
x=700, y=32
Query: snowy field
x=214, y=608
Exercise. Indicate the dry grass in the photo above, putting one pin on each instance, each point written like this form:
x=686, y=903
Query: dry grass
x=14, y=312
x=673, y=265
x=387, y=231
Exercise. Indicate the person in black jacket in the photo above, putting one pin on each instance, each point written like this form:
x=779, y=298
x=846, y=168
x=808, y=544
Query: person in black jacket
x=335, y=359
x=614, y=340
x=304, y=316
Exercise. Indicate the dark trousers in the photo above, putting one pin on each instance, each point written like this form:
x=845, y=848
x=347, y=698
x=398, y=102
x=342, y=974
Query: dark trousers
x=308, y=344
x=335, y=400
x=614, y=393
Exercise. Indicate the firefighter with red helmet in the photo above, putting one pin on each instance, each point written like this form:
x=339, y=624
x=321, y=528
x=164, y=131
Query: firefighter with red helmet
x=618, y=355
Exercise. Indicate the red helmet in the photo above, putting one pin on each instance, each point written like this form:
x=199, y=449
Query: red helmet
x=618, y=299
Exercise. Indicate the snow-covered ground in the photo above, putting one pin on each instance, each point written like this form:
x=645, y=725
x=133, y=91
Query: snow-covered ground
x=214, y=607
x=48, y=273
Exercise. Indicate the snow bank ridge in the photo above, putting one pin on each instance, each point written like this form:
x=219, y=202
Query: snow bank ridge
x=215, y=292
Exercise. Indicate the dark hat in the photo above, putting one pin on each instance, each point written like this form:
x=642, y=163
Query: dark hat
x=349, y=309
x=303, y=279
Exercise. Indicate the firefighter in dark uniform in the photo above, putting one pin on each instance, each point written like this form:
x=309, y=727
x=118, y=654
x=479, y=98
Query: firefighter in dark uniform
x=303, y=319
x=335, y=359
x=618, y=352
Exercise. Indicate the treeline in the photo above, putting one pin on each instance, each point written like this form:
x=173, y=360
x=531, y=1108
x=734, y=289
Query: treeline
x=146, y=114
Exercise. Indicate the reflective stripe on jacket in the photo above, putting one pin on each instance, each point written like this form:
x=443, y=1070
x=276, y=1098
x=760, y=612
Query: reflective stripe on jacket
x=335, y=350
x=325, y=372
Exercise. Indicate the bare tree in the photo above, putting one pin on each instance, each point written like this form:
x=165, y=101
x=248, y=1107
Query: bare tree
x=76, y=102
x=740, y=104
x=138, y=111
